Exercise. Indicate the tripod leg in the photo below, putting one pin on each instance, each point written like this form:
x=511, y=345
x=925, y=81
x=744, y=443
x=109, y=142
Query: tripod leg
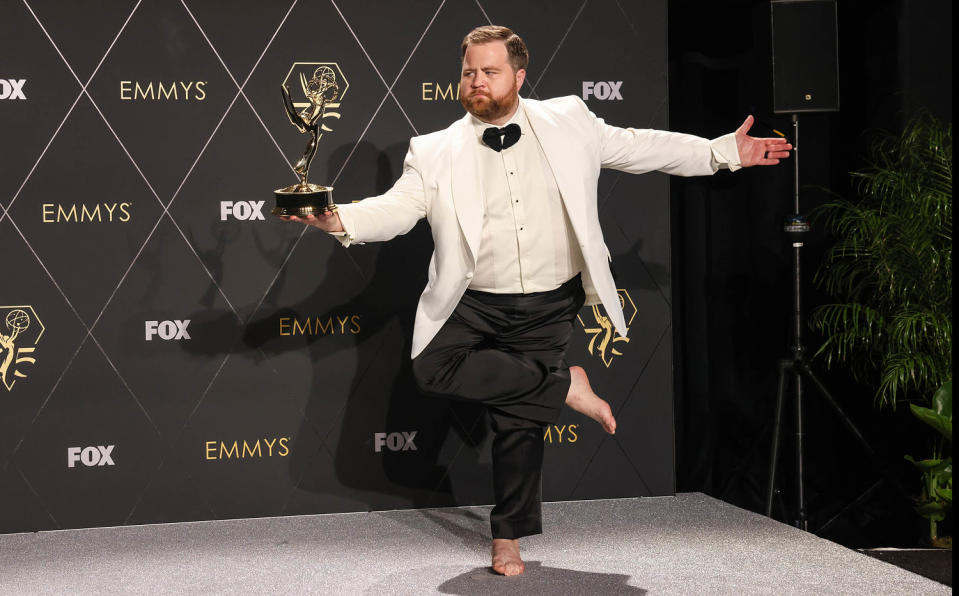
x=802, y=521
x=774, y=450
x=856, y=503
x=831, y=401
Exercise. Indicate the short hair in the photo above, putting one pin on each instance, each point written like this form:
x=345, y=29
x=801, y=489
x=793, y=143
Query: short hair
x=515, y=46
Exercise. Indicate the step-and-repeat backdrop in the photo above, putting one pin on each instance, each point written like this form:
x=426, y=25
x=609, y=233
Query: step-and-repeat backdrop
x=170, y=351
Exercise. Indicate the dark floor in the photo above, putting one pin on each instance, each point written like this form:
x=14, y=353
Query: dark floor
x=934, y=563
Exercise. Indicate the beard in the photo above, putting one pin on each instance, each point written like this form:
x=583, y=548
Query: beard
x=489, y=108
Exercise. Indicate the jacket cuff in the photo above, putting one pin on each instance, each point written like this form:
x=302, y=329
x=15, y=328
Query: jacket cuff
x=725, y=153
x=348, y=235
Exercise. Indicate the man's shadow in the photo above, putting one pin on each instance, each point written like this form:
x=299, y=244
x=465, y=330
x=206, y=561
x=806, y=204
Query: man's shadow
x=538, y=579
x=386, y=439
x=470, y=528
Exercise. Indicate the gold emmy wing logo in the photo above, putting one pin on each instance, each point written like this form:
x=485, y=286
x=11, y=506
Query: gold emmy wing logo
x=302, y=81
x=19, y=335
x=605, y=338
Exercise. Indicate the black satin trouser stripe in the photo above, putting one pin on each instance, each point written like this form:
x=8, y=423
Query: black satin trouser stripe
x=508, y=353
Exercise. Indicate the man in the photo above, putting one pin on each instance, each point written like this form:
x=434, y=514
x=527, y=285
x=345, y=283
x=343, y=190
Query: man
x=518, y=250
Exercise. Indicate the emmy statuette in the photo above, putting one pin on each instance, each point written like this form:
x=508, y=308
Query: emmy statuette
x=304, y=198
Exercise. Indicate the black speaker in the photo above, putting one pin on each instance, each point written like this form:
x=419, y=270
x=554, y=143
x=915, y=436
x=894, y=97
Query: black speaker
x=805, y=44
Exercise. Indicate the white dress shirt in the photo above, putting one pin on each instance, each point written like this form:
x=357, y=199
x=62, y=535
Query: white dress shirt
x=527, y=242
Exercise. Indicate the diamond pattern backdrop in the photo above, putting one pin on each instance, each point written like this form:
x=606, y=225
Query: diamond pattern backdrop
x=172, y=352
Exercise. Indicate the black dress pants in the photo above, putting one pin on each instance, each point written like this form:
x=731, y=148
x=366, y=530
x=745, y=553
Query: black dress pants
x=507, y=351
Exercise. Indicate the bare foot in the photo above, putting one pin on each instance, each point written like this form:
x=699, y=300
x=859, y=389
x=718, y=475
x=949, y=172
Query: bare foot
x=506, y=559
x=582, y=399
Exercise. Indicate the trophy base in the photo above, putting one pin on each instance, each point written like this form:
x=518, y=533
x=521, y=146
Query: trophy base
x=302, y=200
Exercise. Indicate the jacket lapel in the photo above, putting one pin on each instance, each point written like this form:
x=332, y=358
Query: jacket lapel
x=467, y=189
x=555, y=142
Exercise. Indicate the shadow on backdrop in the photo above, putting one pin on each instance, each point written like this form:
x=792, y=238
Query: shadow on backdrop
x=393, y=276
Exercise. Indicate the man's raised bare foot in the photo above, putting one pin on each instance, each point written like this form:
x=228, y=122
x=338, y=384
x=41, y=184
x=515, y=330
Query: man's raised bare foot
x=506, y=559
x=582, y=399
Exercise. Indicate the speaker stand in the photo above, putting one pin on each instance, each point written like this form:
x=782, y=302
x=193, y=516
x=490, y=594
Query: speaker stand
x=798, y=369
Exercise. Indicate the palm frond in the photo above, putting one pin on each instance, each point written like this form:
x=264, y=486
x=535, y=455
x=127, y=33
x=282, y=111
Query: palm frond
x=891, y=264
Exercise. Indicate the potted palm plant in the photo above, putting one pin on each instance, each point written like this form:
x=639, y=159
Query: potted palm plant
x=890, y=272
x=935, y=499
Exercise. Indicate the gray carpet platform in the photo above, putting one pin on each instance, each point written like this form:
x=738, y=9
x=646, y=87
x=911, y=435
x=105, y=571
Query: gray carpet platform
x=688, y=544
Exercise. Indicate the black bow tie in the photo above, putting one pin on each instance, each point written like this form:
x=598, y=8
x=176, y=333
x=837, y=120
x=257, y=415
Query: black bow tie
x=498, y=139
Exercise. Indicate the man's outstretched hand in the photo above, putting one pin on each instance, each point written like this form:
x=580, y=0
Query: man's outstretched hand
x=754, y=151
x=328, y=222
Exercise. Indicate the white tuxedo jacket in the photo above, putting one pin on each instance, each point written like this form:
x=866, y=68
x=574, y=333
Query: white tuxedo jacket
x=440, y=182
